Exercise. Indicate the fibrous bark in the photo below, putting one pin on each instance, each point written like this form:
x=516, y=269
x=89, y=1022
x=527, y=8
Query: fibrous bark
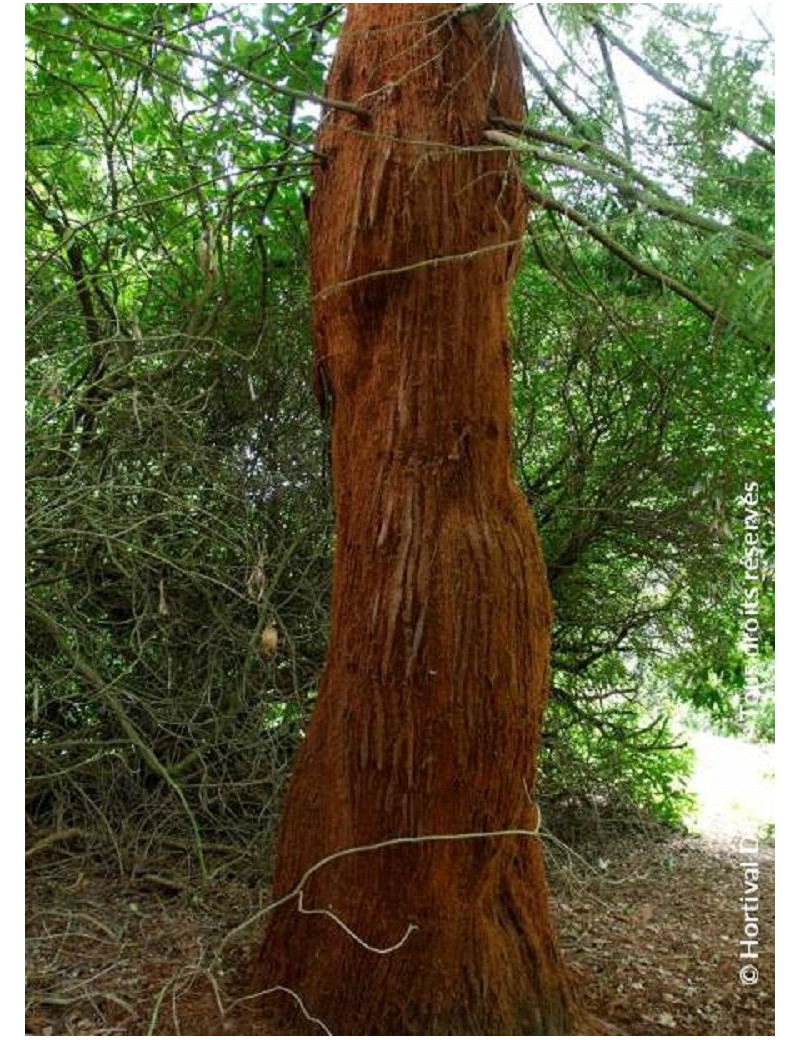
x=430, y=705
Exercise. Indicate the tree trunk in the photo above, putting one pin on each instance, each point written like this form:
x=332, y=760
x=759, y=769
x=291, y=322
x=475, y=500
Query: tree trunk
x=430, y=705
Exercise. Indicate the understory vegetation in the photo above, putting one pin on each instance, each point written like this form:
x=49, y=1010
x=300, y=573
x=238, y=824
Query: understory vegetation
x=178, y=487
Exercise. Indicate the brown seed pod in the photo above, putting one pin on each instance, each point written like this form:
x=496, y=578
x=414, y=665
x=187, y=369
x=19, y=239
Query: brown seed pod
x=269, y=641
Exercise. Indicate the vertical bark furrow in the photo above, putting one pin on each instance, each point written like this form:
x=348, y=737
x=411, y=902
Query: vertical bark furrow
x=429, y=707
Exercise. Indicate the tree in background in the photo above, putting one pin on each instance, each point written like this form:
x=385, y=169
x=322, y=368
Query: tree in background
x=643, y=377
x=176, y=478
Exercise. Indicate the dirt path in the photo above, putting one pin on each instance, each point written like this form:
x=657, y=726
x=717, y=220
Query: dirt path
x=735, y=785
x=657, y=944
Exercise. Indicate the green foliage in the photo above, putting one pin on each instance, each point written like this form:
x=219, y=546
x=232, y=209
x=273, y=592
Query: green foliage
x=757, y=714
x=177, y=497
x=638, y=420
x=178, y=480
x=764, y=721
x=616, y=773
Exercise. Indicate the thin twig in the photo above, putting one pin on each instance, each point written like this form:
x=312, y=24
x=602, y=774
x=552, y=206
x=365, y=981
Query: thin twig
x=518, y=832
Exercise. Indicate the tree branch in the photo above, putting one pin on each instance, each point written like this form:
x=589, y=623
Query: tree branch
x=579, y=144
x=568, y=113
x=547, y=202
x=685, y=95
x=76, y=264
x=221, y=63
x=612, y=79
x=660, y=203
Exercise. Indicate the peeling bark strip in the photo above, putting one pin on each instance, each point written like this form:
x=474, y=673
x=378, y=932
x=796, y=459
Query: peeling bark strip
x=430, y=705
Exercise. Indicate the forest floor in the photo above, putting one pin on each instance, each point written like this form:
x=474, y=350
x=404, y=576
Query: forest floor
x=651, y=924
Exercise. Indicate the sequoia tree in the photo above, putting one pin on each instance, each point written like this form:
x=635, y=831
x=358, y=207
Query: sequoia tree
x=409, y=871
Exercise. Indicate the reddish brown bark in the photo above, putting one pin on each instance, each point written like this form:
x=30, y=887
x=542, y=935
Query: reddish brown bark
x=430, y=705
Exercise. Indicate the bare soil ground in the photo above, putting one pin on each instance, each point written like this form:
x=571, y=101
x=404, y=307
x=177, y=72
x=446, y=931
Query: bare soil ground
x=651, y=926
x=654, y=939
